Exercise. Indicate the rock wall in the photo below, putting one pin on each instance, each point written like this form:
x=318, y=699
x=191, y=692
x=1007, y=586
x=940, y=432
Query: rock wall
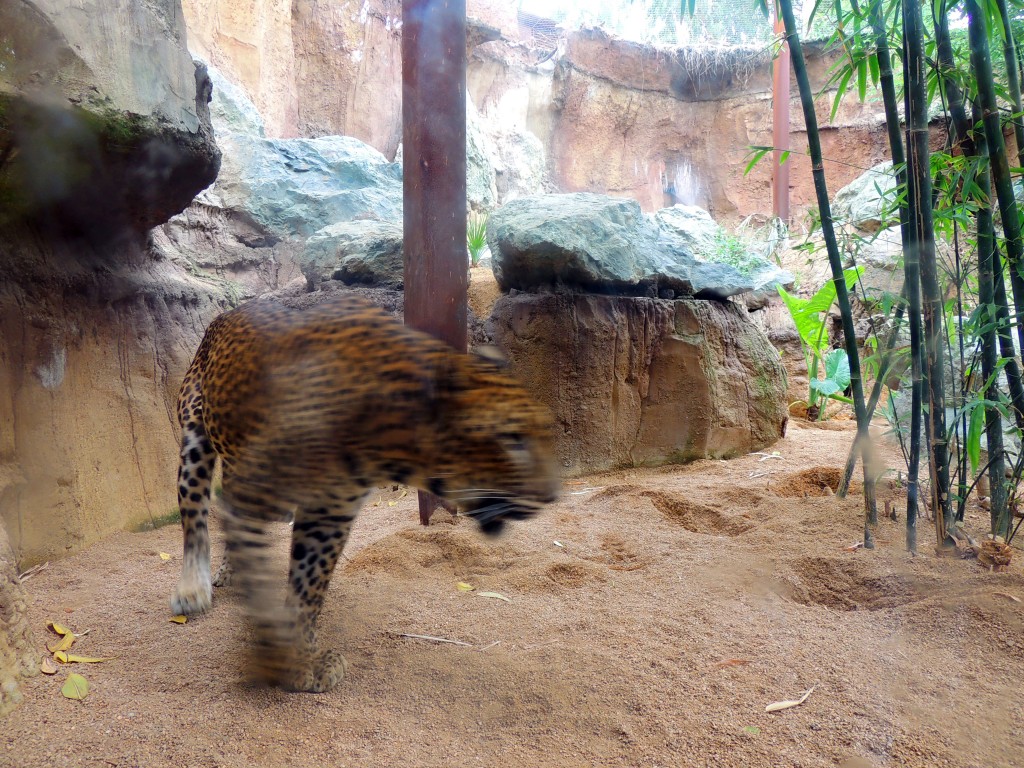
x=637, y=381
x=96, y=327
x=614, y=117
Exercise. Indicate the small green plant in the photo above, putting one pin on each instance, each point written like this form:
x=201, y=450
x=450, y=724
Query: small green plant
x=732, y=250
x=810, y=316
x=476, y=236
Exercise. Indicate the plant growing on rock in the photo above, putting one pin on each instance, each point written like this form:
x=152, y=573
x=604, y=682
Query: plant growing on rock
x=476, y=236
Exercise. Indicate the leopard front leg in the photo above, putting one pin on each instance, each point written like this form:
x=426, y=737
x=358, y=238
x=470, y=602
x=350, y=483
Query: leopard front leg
x=195, y=474
x=318, y=538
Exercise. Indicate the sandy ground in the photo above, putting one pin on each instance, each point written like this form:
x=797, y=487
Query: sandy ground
x=681, y=602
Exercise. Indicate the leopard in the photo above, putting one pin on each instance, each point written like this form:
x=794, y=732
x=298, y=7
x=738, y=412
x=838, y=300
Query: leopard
x=307, y=411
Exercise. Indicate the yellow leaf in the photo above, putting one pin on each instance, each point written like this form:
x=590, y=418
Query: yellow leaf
x=179, y=619
x=495, y=595
x=164, y=556
x=71, y=658
x=48, y=667
x=392, y=503
x=63, y=644
x=404, y=494
x=60, y=629
x=778, y=706
x=464, y=587
x=76, y=687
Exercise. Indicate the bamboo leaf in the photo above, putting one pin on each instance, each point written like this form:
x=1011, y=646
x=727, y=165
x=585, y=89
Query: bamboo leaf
x=48, y=667
x=756, y=154
x=179, y=619
x=974, y=430
x=494, y=595
x=778, y=706
x=464, y=587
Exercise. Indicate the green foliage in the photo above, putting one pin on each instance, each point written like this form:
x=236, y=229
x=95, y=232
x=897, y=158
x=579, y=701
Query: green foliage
x=810, y=316
x=732, y=250
x=476, y=236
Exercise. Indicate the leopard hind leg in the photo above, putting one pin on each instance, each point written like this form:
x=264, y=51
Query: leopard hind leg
x=195, y=476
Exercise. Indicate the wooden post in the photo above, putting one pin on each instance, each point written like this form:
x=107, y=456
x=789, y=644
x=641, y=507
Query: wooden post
x=780, y=125
x=434, y=172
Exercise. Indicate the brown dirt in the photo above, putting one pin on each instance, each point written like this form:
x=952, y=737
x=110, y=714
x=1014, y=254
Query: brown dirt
x=614, y=650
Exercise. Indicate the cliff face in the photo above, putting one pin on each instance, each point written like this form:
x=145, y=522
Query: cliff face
x=105, y=134
x=614, y=117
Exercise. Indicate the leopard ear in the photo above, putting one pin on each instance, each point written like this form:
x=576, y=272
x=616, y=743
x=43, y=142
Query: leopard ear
x=492, y=355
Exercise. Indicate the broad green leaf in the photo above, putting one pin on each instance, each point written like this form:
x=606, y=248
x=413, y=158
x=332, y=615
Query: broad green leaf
x=837, y=368
x=974, y=430
x=76, y=687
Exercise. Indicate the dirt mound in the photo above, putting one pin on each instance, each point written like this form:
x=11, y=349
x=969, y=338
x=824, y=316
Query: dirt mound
x=817, y=481
x=696, y=517
x=848, y=584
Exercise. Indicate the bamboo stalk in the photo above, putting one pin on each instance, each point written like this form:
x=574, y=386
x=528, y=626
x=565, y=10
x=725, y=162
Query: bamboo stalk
x=835, y=261
x=989, y=354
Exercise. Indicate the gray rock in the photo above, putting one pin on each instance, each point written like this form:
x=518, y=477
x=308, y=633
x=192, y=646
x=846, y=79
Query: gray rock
x=481, y=157
x=865, y=202
x=522, y=165
x=367, y=252
x=231, y=108
x=295, y=187
x=601, y=244
x=105, y=126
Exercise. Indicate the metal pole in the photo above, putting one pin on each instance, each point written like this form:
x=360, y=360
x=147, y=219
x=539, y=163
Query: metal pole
x=780, y=124
x=434, y=159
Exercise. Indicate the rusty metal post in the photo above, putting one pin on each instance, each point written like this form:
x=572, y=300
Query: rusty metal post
x=434, y=160
x=780, y=124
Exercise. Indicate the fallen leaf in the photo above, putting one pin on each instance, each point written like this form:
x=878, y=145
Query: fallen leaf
x=753, y=730
x=63, y=644
x=495, y=595
x=1008, y=596
x=778, y=706
x=854, y=547
x=76, y=687
x=179, y=619
x=392, y=503
x=433, y=639
x=559, y=544
x=404, y=493
x=164, y=556
x=60, y=629
x=71, y=658
x=48, y=667
x=464, y=587
x=731, y=663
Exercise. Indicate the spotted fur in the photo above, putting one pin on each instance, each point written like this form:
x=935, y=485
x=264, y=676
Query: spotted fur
x=309, y=410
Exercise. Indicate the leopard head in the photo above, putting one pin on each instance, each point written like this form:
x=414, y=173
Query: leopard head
x=498, y=458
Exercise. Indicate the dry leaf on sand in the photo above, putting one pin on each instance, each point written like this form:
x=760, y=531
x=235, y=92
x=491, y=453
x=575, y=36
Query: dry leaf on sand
x=778, y=706
x=76, y=687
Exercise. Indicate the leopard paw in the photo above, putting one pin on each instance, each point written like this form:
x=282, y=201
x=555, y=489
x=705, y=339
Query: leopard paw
x=224, y=574
x=319, y=673
x=192, y=596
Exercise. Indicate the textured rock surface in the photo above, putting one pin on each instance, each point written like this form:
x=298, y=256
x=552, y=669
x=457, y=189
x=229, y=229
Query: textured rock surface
x=366, y=252
x=96, y=330
x=636, y=381
x=106, y=125
x=18, y=656
x=862, y=202
x=602, y=244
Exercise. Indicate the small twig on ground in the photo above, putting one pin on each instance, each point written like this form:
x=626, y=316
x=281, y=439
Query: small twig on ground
x=585, y=490
x=433, y=639
x=33, y=571
x=489, y=645
x=766, y=456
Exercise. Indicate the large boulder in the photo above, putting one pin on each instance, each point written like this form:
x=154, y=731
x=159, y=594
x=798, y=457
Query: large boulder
x=867, y=201
x=295, y=187
x=365, y=252
x=639, y=381
x=601, y=244
x=104, y=127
